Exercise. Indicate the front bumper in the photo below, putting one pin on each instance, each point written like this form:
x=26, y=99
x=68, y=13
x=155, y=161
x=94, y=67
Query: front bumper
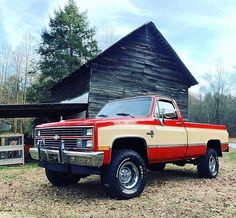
x=90, y=159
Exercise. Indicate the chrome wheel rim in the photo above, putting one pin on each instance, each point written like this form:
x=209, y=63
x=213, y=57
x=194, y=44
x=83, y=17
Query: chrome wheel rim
x=128, y=175
x=213, y=165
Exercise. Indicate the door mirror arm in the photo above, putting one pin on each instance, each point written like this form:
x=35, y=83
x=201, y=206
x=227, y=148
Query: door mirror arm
x=161, y=119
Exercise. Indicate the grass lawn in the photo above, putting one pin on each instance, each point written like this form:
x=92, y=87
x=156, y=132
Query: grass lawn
x=232, y=140
x=230, y=155
x=27, y=166
x=175, y=192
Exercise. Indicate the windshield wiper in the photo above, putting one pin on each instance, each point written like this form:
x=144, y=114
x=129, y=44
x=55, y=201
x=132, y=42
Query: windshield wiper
x=125, y=115
x=102, y=115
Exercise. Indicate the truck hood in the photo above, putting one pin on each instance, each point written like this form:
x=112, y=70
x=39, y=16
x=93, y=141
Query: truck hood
x=92, y=122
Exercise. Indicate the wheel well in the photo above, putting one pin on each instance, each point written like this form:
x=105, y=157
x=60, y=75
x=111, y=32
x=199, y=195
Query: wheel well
x=216, y=145
x=136, y=144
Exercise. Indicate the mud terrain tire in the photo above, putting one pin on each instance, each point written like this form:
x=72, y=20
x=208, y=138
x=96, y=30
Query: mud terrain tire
x=125, y=176
x=208, y=165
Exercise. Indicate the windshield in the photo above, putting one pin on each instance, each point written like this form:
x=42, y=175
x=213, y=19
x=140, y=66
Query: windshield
x=134, y=107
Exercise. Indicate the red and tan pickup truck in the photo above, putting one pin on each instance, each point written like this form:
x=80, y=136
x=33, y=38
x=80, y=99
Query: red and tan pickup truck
x=127, y=137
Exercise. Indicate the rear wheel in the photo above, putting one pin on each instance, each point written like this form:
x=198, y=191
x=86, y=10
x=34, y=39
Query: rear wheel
x=208, y=165
x=61, y=179
x=125, y=177
x=157, y=167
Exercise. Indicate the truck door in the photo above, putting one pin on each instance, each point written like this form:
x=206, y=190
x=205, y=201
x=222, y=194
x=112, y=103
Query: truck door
x=171, y=135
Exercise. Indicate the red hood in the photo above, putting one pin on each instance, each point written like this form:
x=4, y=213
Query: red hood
x=92, y=122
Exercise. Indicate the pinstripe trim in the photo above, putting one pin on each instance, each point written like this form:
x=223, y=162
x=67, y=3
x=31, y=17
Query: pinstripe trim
x=152, y=146
x=197, y=144
x=174, y=145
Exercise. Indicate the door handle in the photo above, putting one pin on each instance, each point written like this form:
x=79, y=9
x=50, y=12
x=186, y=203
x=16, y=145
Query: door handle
x=150, y=133
x=179, y=123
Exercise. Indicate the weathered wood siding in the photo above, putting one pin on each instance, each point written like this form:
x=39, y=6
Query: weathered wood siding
x=72, y=88
x=141, y=63
x=137, y=65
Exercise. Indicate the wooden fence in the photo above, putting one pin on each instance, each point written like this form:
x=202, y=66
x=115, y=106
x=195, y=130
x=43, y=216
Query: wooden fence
x=11, y=149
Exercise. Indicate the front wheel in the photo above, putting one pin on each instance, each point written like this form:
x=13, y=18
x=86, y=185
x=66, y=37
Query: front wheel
x=208, y=165
x=125, y=177
x=61, y=179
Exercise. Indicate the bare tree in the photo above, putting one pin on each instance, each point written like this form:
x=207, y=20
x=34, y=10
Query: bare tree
x=24, y=62
x=29, y=59
x=15, y=76
x=5, y=55
x=107, y=36
x=217, y=87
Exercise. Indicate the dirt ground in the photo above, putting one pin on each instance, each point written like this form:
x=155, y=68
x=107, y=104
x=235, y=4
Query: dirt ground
x=176, y=192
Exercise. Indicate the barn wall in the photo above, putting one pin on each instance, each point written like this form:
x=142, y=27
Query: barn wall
x=138, y=65
x=76, y=86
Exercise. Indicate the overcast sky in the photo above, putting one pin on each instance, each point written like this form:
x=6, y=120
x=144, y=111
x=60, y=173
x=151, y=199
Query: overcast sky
x=202, y=32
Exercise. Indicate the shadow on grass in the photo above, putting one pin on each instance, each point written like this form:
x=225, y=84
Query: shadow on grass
x=90, y=188
x=176, y=175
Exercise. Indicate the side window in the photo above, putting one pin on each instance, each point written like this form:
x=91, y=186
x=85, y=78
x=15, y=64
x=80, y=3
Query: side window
x=167, y=109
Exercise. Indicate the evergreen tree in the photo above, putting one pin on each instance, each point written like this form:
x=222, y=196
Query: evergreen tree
x=68, y=43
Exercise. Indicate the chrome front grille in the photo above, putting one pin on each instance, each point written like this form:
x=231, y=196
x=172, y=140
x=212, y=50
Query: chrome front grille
x=72, y=131
x=72, y=137
x=69, y=143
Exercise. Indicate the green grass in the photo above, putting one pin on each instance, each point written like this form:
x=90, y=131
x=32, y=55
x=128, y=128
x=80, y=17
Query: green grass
x=230, y=155
x=232, y=140
x=72, y=216
x=10, y=178
x=24, y=167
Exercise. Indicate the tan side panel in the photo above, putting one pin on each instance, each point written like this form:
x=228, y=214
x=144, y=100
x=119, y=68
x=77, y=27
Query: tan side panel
x=162, y=135
x=170, y=135
x=202, y=136
x=106, y=135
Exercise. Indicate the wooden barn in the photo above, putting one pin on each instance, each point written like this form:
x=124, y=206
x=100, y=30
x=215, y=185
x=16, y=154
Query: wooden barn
x=141, y=63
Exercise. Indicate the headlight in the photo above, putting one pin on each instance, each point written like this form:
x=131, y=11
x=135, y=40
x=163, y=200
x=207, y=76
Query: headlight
x=89, y=132
x=88, y=143
x=37, y=133
x=83, y=143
